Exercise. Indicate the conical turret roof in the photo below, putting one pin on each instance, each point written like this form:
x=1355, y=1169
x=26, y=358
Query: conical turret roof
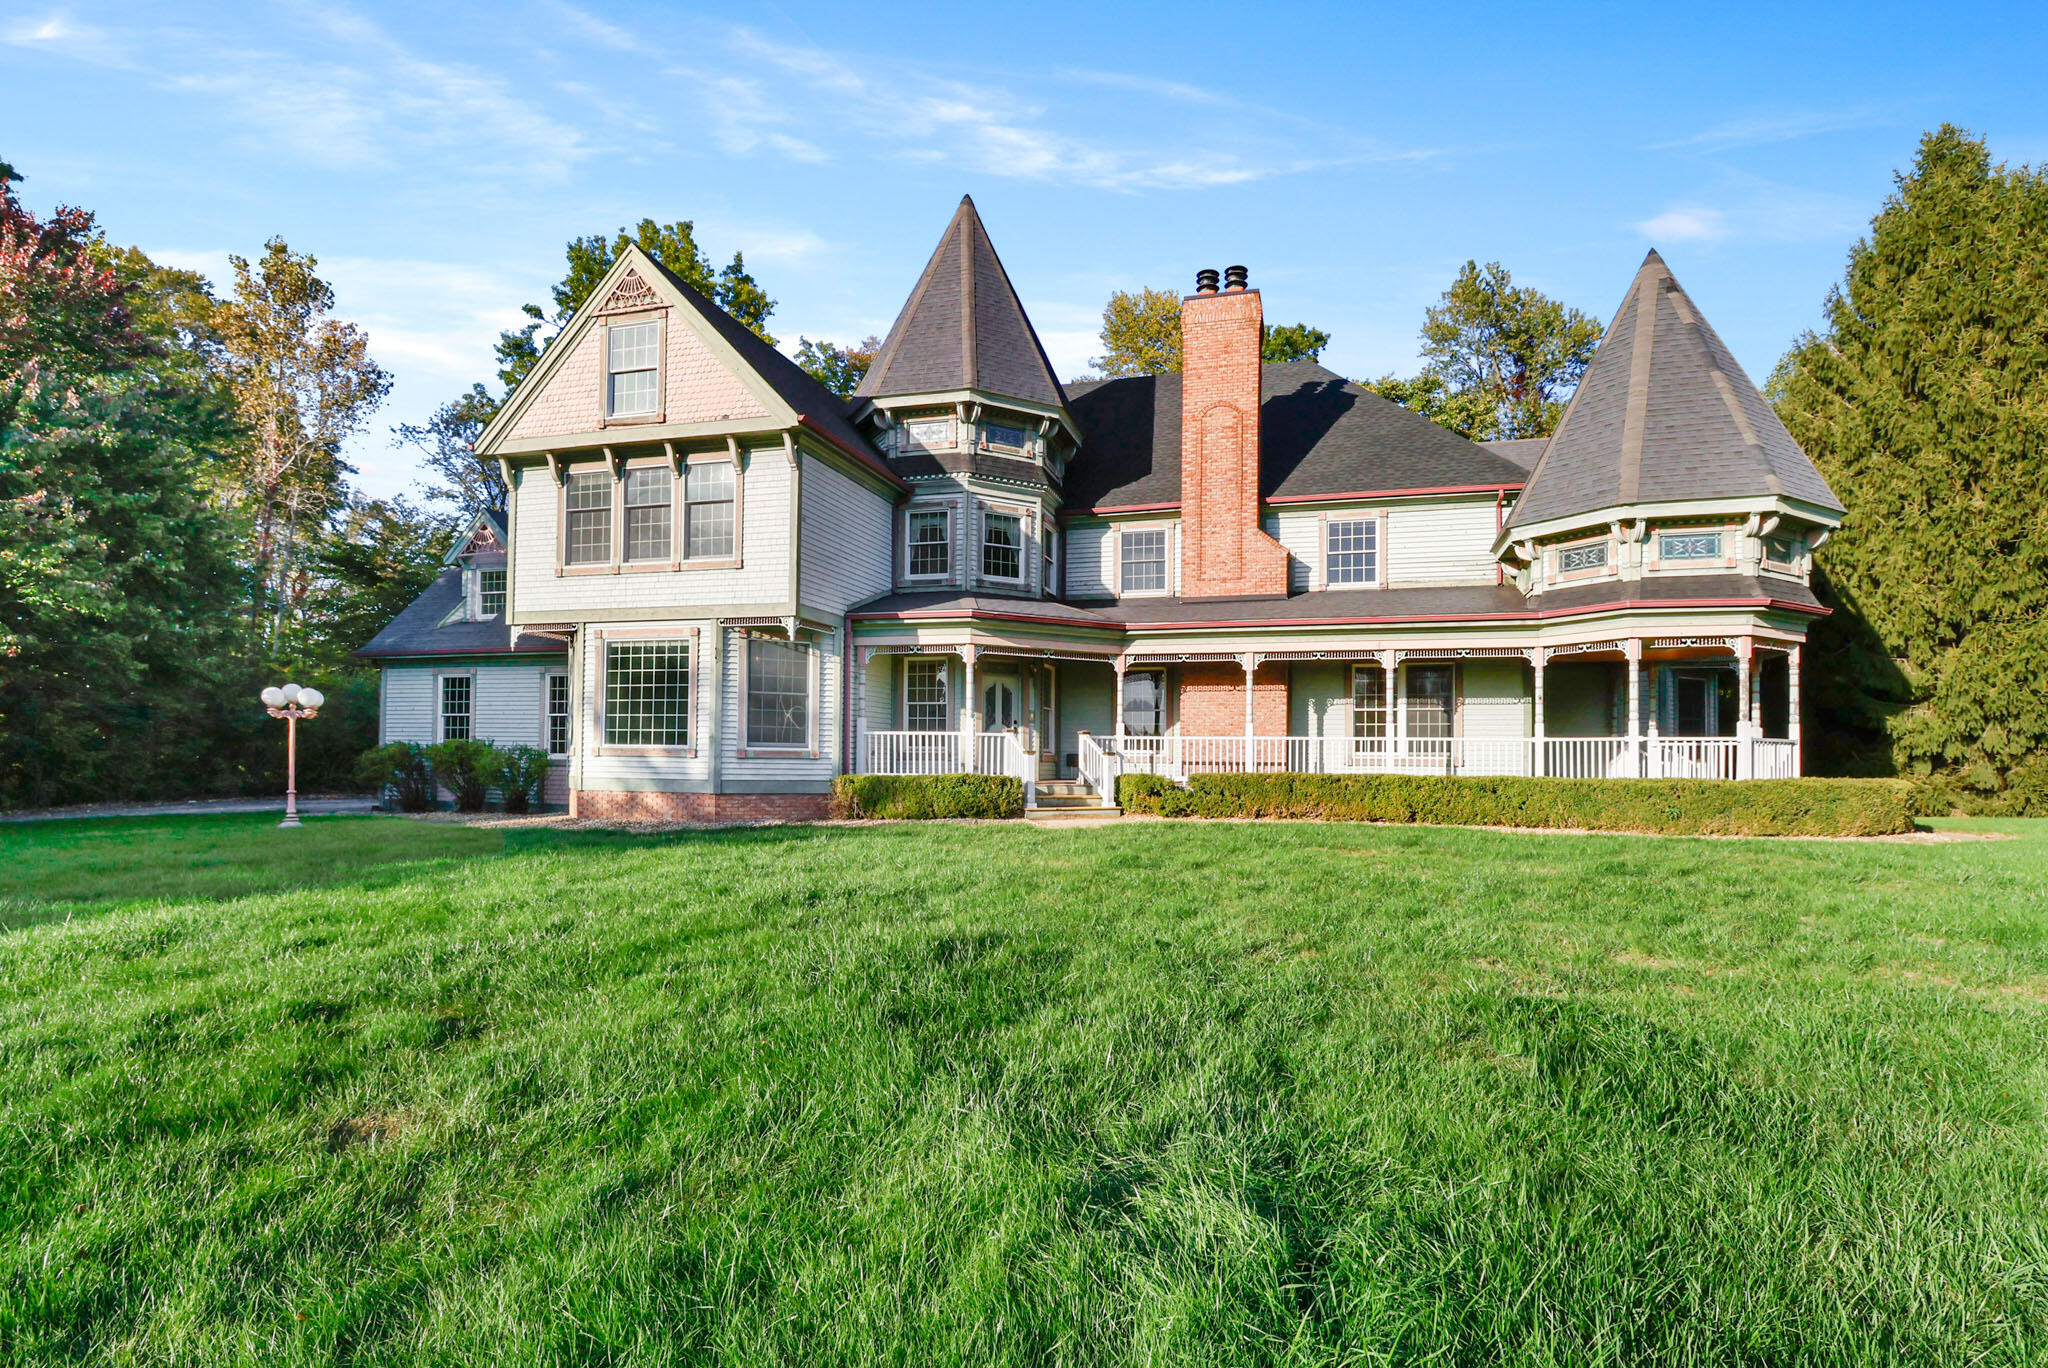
x=1665, y=415
x=963, y=328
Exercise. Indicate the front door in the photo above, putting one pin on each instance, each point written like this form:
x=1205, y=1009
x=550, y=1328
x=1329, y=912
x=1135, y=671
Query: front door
x=999, y=705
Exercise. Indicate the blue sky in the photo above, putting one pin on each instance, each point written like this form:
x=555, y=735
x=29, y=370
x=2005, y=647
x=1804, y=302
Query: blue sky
x=435, y=157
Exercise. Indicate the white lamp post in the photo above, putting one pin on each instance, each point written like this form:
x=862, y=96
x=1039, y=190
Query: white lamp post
x=292, y=703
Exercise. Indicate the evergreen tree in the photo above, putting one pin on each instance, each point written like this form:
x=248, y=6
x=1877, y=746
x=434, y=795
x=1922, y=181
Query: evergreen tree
x=378, y=558
x=1924, y=400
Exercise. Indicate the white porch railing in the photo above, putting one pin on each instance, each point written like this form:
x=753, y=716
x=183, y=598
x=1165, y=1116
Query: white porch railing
x=1562, y=757
x=1098, y=768
x=940, y=752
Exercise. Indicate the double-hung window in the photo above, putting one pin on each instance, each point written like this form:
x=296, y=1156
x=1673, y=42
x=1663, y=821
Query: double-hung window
x=649, y=513
x=1351, y=551
x=1368, y=702
x=1142, y=560
x=647, y=693
x=632, y=370
x=1002, y=546
x=925, y=696
x=708, y=509
x=931, y=544
x=558, y=714
x=490, y=596
x=778, y=693
x=588, y=529
x=1688, y=546
x=455, y=707
x=1144, y=703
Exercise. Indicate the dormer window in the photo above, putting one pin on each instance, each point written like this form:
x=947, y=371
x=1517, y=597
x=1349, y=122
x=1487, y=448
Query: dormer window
x=632, y=369
x=1002, y=437
x=491, y=593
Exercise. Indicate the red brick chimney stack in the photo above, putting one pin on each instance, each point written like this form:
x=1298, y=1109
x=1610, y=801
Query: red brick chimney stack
x=1223, y=551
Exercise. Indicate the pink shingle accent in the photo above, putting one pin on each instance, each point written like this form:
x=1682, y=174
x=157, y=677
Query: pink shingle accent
x=570, y=403
x=700, y=389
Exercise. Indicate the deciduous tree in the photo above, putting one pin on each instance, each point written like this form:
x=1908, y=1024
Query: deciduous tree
x=1141, y=336
x=1516, y=352
x=446, y=444
x=839, y=369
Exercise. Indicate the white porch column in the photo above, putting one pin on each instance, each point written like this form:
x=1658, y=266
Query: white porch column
x=1250, y=661
x=1633, y=648
x=1538, y=759
x=858, y=658
x=970, y=714
x=1119, y=665
x=1745, y=712
x=1397, y=701
x=1792, y=709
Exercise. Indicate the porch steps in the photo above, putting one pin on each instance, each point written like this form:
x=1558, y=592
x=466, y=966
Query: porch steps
x=1066, y=798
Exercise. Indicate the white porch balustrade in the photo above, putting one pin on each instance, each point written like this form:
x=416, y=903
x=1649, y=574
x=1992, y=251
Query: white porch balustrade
x=939, y=752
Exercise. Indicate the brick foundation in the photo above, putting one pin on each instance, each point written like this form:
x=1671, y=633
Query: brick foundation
x=621, y=805
x=1212, y=699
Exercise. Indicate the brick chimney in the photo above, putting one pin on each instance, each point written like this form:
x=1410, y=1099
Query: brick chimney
x=1223, y=550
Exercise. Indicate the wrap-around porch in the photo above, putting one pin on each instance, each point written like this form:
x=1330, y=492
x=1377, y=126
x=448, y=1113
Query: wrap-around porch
x=1635, y=707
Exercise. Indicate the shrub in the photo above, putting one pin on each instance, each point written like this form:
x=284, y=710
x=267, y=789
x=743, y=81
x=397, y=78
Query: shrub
x=466, y=769
x=521, y=772
x=401, y=768
x=1768, y=807
x=920, y=796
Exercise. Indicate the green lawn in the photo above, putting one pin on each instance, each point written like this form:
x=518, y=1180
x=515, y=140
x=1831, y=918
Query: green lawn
x=381, y=1091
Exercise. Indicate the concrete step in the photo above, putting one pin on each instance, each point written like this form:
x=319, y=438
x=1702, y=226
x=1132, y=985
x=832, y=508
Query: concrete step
x=1071, y=815
x=1076, y=800
x=1064, y=787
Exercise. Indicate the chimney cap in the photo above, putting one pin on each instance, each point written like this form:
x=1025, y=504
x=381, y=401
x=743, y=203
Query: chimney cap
x=1205, y=281
x=1235, y=277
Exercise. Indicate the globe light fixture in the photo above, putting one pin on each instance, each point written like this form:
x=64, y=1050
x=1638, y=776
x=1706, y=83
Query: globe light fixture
x=292, y=703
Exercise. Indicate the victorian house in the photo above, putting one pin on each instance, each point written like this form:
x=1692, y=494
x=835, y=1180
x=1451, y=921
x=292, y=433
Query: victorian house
x=717, y=585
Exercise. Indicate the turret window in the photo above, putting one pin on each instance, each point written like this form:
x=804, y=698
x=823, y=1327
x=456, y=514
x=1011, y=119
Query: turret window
x=1001, y=437
x=633, y=377
x=1002, y=546
x=929, y=434
x=1684, y=546
x=1585, y=556
x=1781, y=552
x=931, y=544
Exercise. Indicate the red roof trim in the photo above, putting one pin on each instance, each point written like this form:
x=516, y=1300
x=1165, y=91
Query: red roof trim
x=1201, y=625
x=1492, y=487
x=1126, y=508
x=871, y=462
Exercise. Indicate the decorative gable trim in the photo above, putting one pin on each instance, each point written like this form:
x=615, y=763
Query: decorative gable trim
x=631, y=294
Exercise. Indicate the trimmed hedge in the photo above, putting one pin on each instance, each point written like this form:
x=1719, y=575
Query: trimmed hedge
x=1673, y=807
x=921, y=796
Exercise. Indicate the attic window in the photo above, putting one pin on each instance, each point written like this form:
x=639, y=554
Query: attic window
x=1002, y=437
x=491, y=592
x=632, y=377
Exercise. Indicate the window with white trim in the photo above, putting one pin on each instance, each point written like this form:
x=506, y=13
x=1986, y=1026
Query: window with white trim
x=928, y=434
x=632, y=374
x=1141, y=559
x=926, y=696
x=930, y=531
x=1585, y=556
x=647, y=693
x=1351, y=551
x=778, y=692
x=1368, y=702
x=1002, y=546
x=708, y=505
x=650, y=512
x=490, y=592
x=456, y=697
x=1684, y=546
x=1144, y=703
x=558, y=714
x=588, y=520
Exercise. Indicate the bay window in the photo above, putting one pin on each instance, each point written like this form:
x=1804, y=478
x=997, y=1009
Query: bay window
x=778, y=693
x=926, y=696
x=647, y=693
x=1002, y=546
x=930, y=533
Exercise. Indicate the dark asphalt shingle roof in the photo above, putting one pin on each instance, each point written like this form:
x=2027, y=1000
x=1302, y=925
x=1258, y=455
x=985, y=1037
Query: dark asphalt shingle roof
x=1677, y=589
x=1320, y=435
x=1523, y=451
x=1664, y=414
x=417, y=630
x=963, y=327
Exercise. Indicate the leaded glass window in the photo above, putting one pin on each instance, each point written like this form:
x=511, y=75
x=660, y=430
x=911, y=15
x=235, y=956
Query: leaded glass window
x=631, y=369
x=1002, y=546
x=647, y=693
x=1002, y=436
x=925, y=696
x=455, y=707
x=1674, y=546
x=1584, y=556
x=708, y=508
x=1351, y=551
x=589, y=499
x=930, y=543
x=778, y=692
x=1142, y=553
x=649, y=513
x=929, y=434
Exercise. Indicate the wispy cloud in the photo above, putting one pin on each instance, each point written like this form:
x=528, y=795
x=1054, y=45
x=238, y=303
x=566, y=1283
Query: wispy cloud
x=1689, y=223
x=59, y=33
x=1773, y=128
x=1145, y=85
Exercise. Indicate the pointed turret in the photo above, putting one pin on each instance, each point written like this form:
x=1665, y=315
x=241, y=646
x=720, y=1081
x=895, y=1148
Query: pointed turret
x=1664, y=415
x=964, y=329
